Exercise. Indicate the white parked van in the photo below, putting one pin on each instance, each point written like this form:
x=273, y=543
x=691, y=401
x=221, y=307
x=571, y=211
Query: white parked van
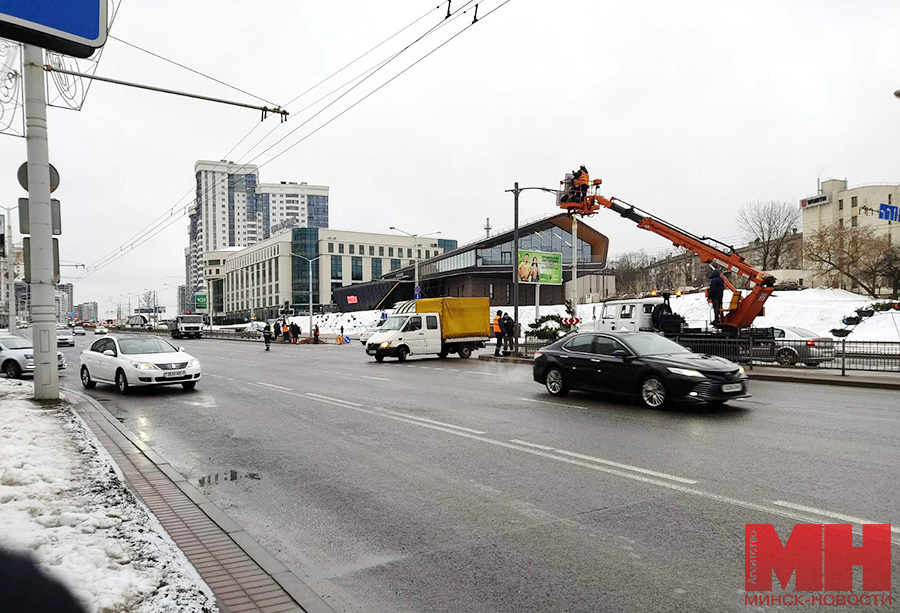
x=629, y=314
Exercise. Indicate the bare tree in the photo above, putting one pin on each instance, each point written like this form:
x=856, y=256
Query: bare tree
x=770, y=225
x=631, y=272
x=855, y=253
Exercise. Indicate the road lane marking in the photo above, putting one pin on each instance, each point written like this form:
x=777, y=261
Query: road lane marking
x=636, y=469
x=429, y=421
x=277, y=387
x=337, y=400
x=373, y=378
x=556, y=404
x=486, y=374
x=833, y=515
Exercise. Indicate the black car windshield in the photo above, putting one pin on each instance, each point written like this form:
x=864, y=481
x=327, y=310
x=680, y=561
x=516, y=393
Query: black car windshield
x=394, y=323
x=652, y=344
x=14, y=342
x=131, y=346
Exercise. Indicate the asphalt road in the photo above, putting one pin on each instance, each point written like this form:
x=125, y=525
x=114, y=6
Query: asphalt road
x=452, y=485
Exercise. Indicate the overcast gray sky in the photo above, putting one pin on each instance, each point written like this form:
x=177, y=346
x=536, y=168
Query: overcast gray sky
x=687, y=109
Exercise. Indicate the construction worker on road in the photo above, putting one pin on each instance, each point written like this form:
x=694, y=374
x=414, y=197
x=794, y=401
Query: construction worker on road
x=497, y=329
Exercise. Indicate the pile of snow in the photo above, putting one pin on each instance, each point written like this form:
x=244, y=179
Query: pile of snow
x=63, y=503
x=818, y=310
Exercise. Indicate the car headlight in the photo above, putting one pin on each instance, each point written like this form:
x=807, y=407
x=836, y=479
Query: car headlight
x=143, y=365
x=537, y=354
x=385, y=344
x=28, y=356
x=687, y=372
x=194, y=364
x=741, y=369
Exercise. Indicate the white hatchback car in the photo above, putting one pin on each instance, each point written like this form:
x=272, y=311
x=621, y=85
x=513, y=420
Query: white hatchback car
x=126, y=361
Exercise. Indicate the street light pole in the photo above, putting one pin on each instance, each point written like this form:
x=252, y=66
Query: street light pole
x=309, y=262
x=415, y=250
x=10, y=271
x=516, y=190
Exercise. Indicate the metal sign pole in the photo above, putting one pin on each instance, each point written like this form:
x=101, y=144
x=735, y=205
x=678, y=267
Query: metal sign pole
x=46, y=375
x=575, y=264
x=11, y=271
x=515, y=264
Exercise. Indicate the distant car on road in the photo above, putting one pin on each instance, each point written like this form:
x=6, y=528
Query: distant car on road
x=793, y=345
x=17, y=357
x=644, y=364
x=78, y=331
x=101, y=330
x=137, y=361
x=66, y=337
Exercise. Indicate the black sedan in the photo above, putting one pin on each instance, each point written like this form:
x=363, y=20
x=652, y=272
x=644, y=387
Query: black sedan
x=655, y=369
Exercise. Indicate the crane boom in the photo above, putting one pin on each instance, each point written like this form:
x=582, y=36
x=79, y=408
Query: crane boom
x=748, y=307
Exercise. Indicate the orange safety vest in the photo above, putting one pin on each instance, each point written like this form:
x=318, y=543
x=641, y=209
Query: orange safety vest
x=496, y=324
x=582, y=178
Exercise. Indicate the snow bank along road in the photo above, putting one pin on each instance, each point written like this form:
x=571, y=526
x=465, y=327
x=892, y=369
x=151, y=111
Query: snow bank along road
x=449, y=484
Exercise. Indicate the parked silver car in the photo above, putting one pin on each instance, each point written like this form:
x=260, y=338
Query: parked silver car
x=794, y=346
x=17, y=357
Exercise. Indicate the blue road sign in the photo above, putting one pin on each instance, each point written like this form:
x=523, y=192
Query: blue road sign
x=346, y=340
x=73, y=27
x=384, y=316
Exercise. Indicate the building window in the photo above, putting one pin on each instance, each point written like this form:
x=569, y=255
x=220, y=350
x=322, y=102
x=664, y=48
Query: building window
x=330, y=247
x=841, y=205
x=395, y=264
x=427, y=254
x=391, y=253
x=890, y=199
x=340, y=247
x=841, y=222
x=337, y=267
x=853, y=202
x=408, y=253
x=376, y=267
x=491, y=290
x=352, y=248
x=362, y=250
x=371, y=249
x=854, y=221
x=381, y=252
x=356, y=268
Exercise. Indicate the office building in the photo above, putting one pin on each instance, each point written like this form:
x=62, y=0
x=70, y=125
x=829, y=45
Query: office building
x=233, y=209
x=69, y=290
x=86, y=311
x=875, y=205
x=258, y=280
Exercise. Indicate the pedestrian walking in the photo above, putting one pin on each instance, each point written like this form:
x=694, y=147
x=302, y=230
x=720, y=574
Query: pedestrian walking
x=316, y=334
x=267, y=334
x=497, y=329
x=509, y=331
x=275, y=328
x=285, y=332
x=295, y=332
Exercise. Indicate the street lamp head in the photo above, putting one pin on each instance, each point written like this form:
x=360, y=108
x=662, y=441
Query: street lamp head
x=392, y=228
x=897, y=94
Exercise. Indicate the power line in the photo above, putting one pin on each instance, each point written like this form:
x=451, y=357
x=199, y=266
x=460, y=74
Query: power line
x=188, y=68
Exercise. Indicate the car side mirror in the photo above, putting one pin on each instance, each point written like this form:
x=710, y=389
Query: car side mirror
x=621, y=353
x=110, y=353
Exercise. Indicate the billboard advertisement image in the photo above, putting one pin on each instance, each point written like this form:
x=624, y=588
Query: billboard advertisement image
x=539, y=267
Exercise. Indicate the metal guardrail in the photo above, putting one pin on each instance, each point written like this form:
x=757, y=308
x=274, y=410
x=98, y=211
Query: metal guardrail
x=872, y=356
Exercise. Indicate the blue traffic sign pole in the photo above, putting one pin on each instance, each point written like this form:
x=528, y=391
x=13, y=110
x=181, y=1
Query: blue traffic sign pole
x=43, y=312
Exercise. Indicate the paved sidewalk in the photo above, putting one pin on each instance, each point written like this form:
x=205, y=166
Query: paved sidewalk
x=244, y=577
x=874, y=380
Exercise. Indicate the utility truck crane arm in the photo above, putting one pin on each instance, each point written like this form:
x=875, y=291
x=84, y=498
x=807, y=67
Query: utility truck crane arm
x=744, y=309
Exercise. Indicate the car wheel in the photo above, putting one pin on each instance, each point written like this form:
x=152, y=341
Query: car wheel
x=86, y=380
x=465, y=352
x=379, y=358
x=402, y=353
x=653, y=392
x=12, y=370
x=786, y=357
x=555, y=382
x=189, y=385
x=121, y=382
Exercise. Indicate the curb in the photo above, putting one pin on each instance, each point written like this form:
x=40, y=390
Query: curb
x=786, y=378
x=295, y=587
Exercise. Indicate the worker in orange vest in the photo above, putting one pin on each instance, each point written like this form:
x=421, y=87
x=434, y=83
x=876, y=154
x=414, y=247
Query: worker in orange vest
x=581, y=181
x=497, y=329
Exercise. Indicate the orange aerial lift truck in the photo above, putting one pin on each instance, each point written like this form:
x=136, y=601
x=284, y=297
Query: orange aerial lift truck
x=741, y=312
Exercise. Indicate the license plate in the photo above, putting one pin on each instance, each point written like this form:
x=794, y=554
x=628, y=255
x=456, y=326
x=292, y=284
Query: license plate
x=175, y=373
x=732, y=387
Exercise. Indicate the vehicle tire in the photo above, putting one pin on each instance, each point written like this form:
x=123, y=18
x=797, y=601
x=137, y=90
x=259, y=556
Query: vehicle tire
x=402, y=353
x=379, y=358
x=555, y=382
x=12, y=370
x=653, y=392
x=786, y=357
x=812, y=364
x=86, y=380
x=464, y=351
x=189, y=385
x=121, y=382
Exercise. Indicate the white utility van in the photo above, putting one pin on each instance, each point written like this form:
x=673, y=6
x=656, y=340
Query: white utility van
x=630, y=314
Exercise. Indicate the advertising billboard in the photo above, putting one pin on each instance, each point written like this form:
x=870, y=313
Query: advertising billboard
x=539, y=267
x=200, y=302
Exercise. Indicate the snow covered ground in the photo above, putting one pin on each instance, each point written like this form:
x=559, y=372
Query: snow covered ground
x=63, y=502
x=818, y=310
